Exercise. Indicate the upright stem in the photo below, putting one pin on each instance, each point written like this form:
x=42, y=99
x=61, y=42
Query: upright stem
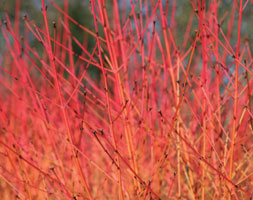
x=178, y=130
x=235, y=96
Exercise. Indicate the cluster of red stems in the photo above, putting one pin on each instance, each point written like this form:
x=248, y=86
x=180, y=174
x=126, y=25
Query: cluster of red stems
x=164, y=120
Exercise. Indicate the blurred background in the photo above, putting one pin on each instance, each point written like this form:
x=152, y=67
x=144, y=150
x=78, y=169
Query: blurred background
x=80, y=11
